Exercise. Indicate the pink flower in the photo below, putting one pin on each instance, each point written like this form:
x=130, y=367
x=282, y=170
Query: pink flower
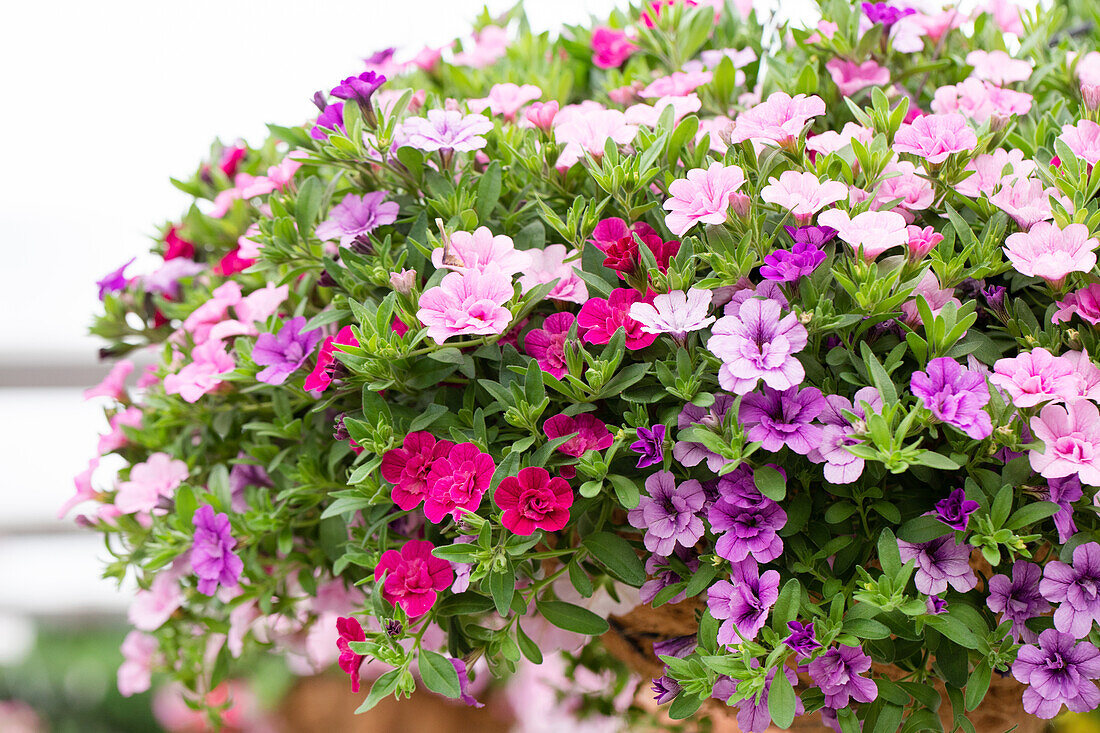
x=1071, y=440
x=780, y=119
x=934, y=137
x=611, y=48
x=900, y=181
x=755, y=343
x=549, y=264
x=1083, y=139
x=600, y=318
x=114, y=384
x=591, y=433
x=489, y=45
x=506, y=99
x=675, y=312
x=209, y=362
x=989, y=171
x=1006, y=14
x=546, y=345
x=446, y=130
x=650, y=115
x=151, y=608
x=457, y=481
x=850, y=77
x=129, y=418
x=84, y=490
x=704, y=196
x=980, y=100
x=998, y=67
x=533, y=500
x=1034, y=377
x=409, y=466
x=1084, y=302
x=150, y=481
x=321, y=377
x=1086, y=377
x=541, y=115
x=135, y=672
x=831, y=141
x=587, y=130
x=349, y=630
x=921, y=241
x=1027, y=202
x=937, y=297
x=677, y=84
x=469, y=302
x=414, y=577
x=803, y=194
x=1051, y=253
x=873, y=231
x=480, y=251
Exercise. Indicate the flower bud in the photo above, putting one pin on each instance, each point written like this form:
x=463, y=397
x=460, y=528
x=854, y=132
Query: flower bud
x=403, y=281
x=542, y=115
x=1091, y=95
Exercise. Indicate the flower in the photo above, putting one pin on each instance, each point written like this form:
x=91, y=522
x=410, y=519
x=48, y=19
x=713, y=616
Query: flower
x=650, y=114
x=209, y=362
x=755, y=343
x=783, y=417
x=989, y=172
x=981, y=101
x=675, y=312
x=155, y=478
x=704, y=196
x=872, y=231
x=241, y=476
x=1071, y=439
x=802, y=194
x=359, y=89
x=84, y=490
x=900, y=181
x=1026, y=201
x=414, y=576
x=506, y=99
x=662, y=576
x=1018, y=599
x=481, y=251
x=789, y=266
x=131, y=417
x=330, y=120
x=464, y=684
x=619, y=244
x=802, y=640
x=115, y=280
x=1035, y=377
x=1074, y=588
x=665, y=689
x=591, y=433
x=587, y=131
x=1084, y=303
x=611, y=47
x=212, y=556
x=151, y=608
x=837, y=671
x=1083, y=139
x=1063, y=492
x=600, y=318
x=779, y=119
x=939, y=562
x=692, y=454
x=356, y=216
x=921, y=241
x=457, y=481
x=114, y=384
x=489, y=45
x=669, y=514
x=555, y=262
x=749, y=525
x=546, y=345
x=677, y=84
x=752, y=713
x=650, y=446
x=743, y=605
x=933, y=138
x=349, y=629
x=1051, y=253
x=468, y=302
x=850, y=77
x=1058, y=672
x=532, y=500
x=998, y=67
x=955, y=510
x=541, y=115
x=409, y=467
x=842, y=466
x=327, y=366
x=445, y=130
x=954, y=396
x=282, y=354
x=135, y=672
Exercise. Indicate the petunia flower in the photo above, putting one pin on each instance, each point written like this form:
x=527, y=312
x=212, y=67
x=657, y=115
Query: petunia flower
x=356, y=216
x=872, y=231
x=1052, y=253
x=705, y=195
x=675, y=312
x=283, y=353
x=469, y=302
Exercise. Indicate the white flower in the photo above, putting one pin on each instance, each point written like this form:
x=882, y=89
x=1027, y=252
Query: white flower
x=675, y=312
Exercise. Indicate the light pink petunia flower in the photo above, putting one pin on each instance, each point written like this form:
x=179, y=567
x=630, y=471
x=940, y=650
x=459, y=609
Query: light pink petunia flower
x=980, y=100
x=850, y=77
x=506, y=99
x=481, y=251
x=874, y=231
x=1051, y=253
x=831, y=141
x=1027, y=202
x=675, y=313
x=1035, y=377
x=550, y=264
x=446, y=130
x=677, y=84
x=998, y=67
x=1085, y=303
x=1083, y=139
x=779, y=119
x=469, y=302
x=136, y=671
x=993, y=170
x=649, y=115
x=934, y=137
x=900, y=181
x=114, y=384
x=1071, y=442
x=937, y=297
x=150, y=481
x=588, y=130
x=704, y=196
x=84, y=490
x=131, y=417
x=210, y=362
x=802, y=194
x=151, y=608
x=488, y=45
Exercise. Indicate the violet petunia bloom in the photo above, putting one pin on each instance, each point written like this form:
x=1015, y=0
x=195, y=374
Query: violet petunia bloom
x=786, y=266
x=692, y=454
x=749, y=527
x=166, y=278
x=802, y=640
x=1059, y=671
x=841, y=465
x=665, y=689
x=464, y=684
x=743, y=605
x=356, y=216
x=955, y=396
x=778, y=418
x=885, y=13
x=241, y=476
x=935, y=605
x=756, y=343
x=330, y=120
x=284, y=352
x=955, y=510
x=359, y=89
x=445, y=130
x=669, y=514
x=815, y=235
x=650, y=446
x=662, y=575
x=1018, y=598
x=1076, y=588
x=1063, y=492
x=212, y=556
x=114, y=281
x=940, y=562
x=752, y=713
x=837, y=672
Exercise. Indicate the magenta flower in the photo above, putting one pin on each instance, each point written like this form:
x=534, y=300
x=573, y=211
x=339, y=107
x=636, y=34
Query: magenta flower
x=446, y=130
x=533, y=500
x=934, y=137
x=322, y=375
x=803, y=194
x=546, y=345
x=802, y=640
x=209, y=362
x=850, y=77
x=650, y=446
x=600, y=318
x=1075, y=589
x=1018, y=599
x=1083, y=139
x=349, y=629
x=356, y=216
x=591, y=433
x=414, y=576
x=212, y=556
x=457, y=481
x=939, y=562
x=755, y=343
x=748, y=525
x=955, y=510
x=1035, y=377
x=1059, y=671
x=464, y=693
x=1063, y=492
x=954, y=396
x=743, y=604
x=506, y=99
x=778, y=418
x=329, y=121
x=786, y=266
x=873, y=231
x=1051, y=253
x=692, y=454
x=921, y=241
x=115, y=280
x=284, y=353
x=836, y=673
x=84, y=490
x=541, y=115
x=409, y=467
x=1084, y=303
x=675, y=312
x=704, y=196
x=359, y=89
x=1071, y=439
x=669, y=514
x=611, y=47
x=780, y=119
x=155, y=479
x=469, y=302
x=555, y=262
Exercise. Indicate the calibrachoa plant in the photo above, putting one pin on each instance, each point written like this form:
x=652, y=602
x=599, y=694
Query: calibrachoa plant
x=793, y=328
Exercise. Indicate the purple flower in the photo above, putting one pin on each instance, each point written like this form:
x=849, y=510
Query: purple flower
x=815, y=236
x=677, y=646
x=359, y=88
x=331, y=119
x=1063, y=492
x=1077, y=588
x=356, y=216
x=754, y=343
x=662, y=576
x=995, y=298
x=650, y=445
x=1019, y=598
x=243, y=475
x=842, y=466
x=802, y=640
x=463, y=677
x=836, y=672
x=787, y=266
x=212, y=556
x=748, y=531
x=165, y=279
x=935, y=605
x=885, y=13
x=752, y=714
x=113, y=281
x=743, y=605
x=670, y=514
x=1058, y=672
x=955, y=510
x=783, y=418
x=692, y=454
x=665, y=689
x=940, y=562
x=955, y=396
x=446, y=130
x=282, y=354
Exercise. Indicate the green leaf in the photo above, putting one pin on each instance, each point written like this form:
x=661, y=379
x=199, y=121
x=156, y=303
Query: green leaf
x=865, y=628
x=464, y=604
x=922, y=529
x=618, y=556
x=526, y=645
x=879, y=377
x=502, y=584
x=430, y=414
x=786, y=606
x=978, y=684
x=626, y=490
x=439, y=674
x=572, y=618
x=488, y=192
x=782, y=701
x=701, y=580
x=308, y=205
x=684, y=706
x=383, y=687
x=1031, y=513
x=770, y=482
x=888, y=555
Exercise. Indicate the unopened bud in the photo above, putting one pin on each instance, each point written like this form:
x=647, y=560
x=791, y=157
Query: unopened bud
x=362, y=245
x=403, y=281
x=394, y=628
x=1091, y=95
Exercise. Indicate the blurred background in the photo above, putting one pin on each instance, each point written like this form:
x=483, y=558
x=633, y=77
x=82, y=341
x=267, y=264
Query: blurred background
x=103, y=102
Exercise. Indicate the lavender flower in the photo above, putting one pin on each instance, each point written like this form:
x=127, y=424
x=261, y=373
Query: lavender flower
x=787, y=266
x=212, y=556
x=677, y=646
x=1058, y=672
x=955, y=396
x=816, y=236
x=940, y=562
x=665, y=689
x=464, y=684
x=331, y=119
x=282, y=354
x=752, y=713
x=743, y=605
x=670, y=514
x=935, y=605
x=955, y=510
x=1063, y=492
x=662, y=575
x=995, y=298
x=650, y=445
x=446, y=130
x=783, y=418
x=842, y=466
x=802, y=641
x=243, y=475
x=692, y=454
x=754, y=343
x=1076, y=588
x=747, y=531
x=1018, y=599
x=359, y=88
x=113, y=281
x=836, y=672
x=165, y=279
x=356, y=216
